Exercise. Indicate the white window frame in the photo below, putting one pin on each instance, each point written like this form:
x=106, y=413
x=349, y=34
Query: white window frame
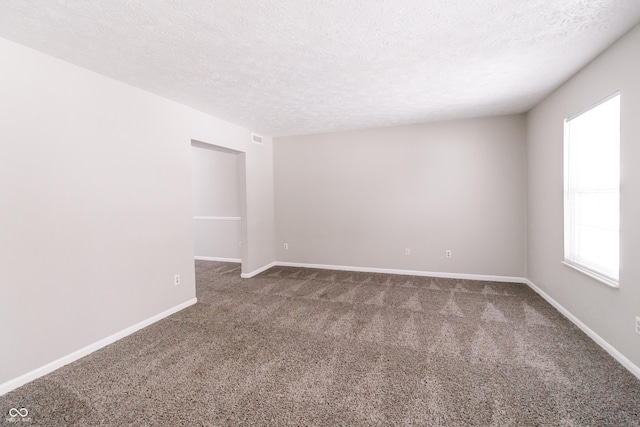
x=570, y=258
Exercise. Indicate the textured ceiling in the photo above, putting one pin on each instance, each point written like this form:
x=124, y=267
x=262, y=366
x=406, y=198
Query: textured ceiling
x=283, y=67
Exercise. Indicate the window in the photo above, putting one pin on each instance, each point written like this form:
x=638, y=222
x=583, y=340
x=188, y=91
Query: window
x=592, y=191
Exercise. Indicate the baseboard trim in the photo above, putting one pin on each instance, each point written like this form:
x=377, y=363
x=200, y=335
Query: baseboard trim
x=485, y=278
x=258, y=271
x=633, y=368
x=215, y=258
x=65, y=360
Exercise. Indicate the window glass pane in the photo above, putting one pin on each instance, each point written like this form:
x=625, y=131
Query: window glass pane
x=597, y=249
x=595, y=137
x=598, y=210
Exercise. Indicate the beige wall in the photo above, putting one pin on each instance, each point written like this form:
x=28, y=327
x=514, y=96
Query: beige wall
x=360, y=198
x=607, y=311
x=95, y=205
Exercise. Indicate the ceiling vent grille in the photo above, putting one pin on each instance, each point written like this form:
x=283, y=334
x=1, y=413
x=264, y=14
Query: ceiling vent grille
x=256, y=138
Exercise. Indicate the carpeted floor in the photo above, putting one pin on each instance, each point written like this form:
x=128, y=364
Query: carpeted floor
x=326, y=348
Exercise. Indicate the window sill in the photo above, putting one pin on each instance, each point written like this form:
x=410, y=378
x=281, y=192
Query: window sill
x=601, y=279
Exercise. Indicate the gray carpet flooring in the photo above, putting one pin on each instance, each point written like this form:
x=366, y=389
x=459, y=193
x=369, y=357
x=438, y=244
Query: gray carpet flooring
x=327, y=348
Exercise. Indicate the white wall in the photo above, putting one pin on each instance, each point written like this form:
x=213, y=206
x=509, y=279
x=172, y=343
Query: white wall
x=95, y=205
x=360, y=198
x=608, y=312
x=216, y=202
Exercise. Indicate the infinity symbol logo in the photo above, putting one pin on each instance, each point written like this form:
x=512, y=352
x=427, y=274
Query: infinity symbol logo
x=13, y=412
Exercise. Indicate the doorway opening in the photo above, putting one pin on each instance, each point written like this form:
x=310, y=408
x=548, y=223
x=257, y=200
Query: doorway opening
x=219, y=205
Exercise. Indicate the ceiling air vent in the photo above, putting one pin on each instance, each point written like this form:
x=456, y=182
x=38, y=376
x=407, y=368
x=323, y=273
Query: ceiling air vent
x=256, y=138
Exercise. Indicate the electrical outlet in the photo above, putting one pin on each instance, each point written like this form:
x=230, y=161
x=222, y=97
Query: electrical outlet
x=448, y=253
x=638, y=324
x=286, y=246
x=176, y=280
x=407, y=251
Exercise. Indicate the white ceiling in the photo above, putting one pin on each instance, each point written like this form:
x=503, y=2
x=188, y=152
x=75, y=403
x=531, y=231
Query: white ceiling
x=284, y=67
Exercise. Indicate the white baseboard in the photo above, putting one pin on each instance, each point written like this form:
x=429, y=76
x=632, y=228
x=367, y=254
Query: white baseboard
x=56, y=364
x=405, y=272
x=634, y=369
x=215, y=258
x=258, y=271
